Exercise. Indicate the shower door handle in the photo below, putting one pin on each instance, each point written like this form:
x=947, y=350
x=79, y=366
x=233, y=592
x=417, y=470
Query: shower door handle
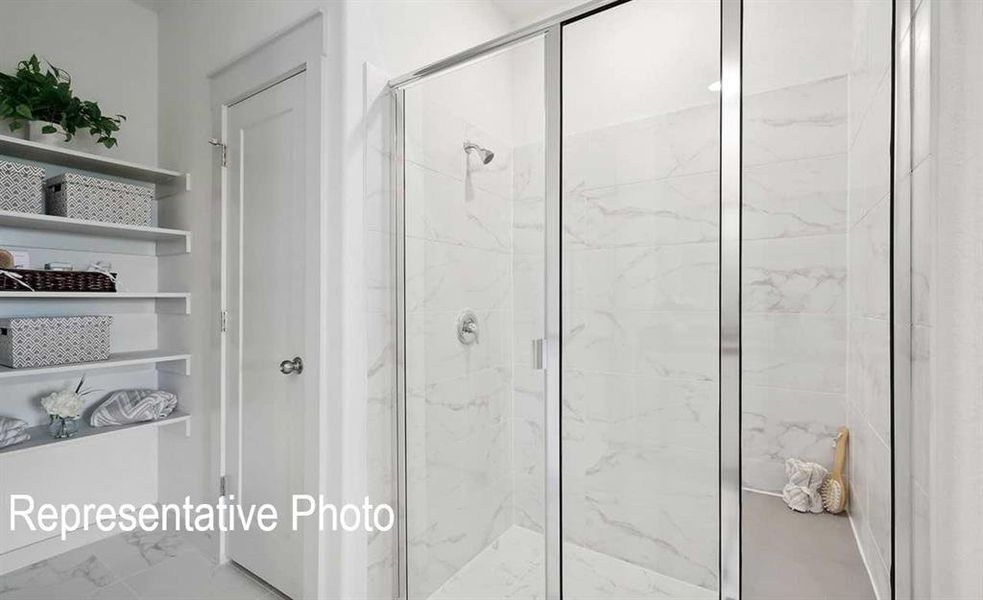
x=537, y=354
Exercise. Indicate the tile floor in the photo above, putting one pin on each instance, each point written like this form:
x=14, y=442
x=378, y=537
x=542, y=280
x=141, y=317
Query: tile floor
x=512, y=568
x=815, y=557
x=134, y=566
x=803, y=556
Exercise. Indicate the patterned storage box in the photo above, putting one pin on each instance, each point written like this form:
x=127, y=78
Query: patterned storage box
x=21, y=187
x=43, y=341
x=94, y=199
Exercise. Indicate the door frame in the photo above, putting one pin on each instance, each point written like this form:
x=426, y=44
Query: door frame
x=299, y=48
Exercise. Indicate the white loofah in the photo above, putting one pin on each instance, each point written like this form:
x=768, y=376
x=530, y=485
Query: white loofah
x=801, y=493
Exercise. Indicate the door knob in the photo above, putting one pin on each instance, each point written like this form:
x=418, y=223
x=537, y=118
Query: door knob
x=295, y=366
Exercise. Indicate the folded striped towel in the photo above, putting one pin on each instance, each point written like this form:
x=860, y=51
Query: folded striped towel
x=12, y=431
x=133, y=406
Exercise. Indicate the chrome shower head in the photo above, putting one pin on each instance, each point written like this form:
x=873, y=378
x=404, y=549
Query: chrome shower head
x=484, y=154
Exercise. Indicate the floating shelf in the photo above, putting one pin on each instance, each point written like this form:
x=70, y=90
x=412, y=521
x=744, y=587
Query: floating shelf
x=171, y=241
x=166, y=360
x=41, y=439
x=183, y=298
x=171, y=181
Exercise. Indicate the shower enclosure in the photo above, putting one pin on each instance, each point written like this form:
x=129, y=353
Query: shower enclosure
x=644, y=255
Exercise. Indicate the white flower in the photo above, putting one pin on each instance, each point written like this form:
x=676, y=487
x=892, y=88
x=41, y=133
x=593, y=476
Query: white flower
x=66, y=404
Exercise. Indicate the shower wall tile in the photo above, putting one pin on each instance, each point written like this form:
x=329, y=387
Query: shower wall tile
x=795, y=198
x=783, y=423
x=434, y=135
x=676, y=345
x=449, y=277
x=800, y=275
x=655, y=507
x=666, y=344
x=679, y=210
x=676, y=414
x=529, y=447
x=468, y=424
x=870, y=372
x=776, y=354
x=442, y=208
x=661, y=147
x=870, y=156
x=870, y=260
x=801, y=121
x=870, y=501
x=870, y=59
x=656, y=278
x=598, y=341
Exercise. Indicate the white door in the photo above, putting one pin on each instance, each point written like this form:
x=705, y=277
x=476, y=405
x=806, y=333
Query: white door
x=267, y=400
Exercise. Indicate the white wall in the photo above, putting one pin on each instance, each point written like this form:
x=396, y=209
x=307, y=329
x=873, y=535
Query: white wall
x=946, y=186
x=108, y=47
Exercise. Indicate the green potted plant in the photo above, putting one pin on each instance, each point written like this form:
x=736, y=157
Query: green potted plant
x=39, y=99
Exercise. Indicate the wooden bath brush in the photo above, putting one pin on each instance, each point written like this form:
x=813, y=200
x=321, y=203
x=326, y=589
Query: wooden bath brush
x=834, y=490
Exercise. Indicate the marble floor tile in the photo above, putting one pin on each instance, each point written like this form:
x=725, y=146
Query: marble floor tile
x=137, y=566
x=73, y=575
x=192, y=576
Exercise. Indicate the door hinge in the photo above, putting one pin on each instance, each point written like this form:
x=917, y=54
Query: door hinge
x=225, y=150
x=221, y=486
x=223, y=319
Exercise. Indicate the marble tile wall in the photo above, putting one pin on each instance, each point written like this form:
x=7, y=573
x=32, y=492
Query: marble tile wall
x=639, y=407
x=868, y=304
x=459, y=398
x=794, y=277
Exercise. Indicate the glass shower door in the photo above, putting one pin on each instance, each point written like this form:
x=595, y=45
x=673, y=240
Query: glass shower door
x=472, y=321
x=640, y=301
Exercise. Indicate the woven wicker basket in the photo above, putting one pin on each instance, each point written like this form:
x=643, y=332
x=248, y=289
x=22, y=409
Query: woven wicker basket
x=57, y=281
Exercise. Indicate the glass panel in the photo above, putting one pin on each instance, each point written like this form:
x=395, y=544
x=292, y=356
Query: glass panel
x=816, y=295
x=640, y=261
x=474, y=276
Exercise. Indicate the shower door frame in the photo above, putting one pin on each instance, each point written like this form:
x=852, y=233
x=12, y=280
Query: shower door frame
x=731, y=206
